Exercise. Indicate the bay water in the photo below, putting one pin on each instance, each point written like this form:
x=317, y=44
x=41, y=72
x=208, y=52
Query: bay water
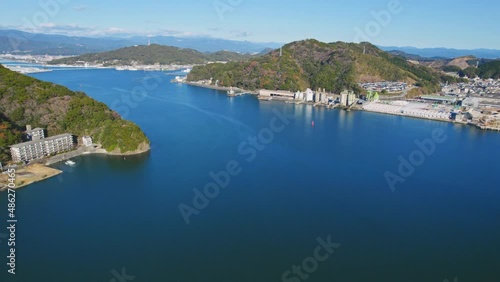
x=294, y=194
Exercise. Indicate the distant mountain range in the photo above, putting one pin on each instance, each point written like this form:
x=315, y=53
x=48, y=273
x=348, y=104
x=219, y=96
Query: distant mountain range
x=415, y=57
x=205, y=44
x=20, y=42
x=445, y=52
x=151, y=55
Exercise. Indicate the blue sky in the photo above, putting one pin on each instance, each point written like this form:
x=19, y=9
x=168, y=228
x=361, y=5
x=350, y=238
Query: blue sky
x=419, y=23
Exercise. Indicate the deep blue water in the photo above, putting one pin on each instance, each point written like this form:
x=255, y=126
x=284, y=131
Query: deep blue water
x=110, y=213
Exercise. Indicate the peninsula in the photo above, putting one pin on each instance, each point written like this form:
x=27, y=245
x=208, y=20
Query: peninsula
x=66, y=116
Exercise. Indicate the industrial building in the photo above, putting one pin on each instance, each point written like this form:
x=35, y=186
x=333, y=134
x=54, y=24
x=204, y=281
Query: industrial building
x=309, y=95
x=347, y=98
x=471, y=102
x=439, y=99
x=277, y=93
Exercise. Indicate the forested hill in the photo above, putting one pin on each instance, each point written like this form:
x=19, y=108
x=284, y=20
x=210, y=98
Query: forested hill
x=310, y=63
x=490, y=69
x=25, y=100
x=151, y=55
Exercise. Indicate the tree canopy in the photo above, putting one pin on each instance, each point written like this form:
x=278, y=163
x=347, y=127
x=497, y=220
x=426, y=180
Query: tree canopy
x=313, y=64
x=25, y=100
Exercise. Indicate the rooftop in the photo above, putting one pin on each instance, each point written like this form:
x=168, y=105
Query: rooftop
x=41, y=140
x=439, y=98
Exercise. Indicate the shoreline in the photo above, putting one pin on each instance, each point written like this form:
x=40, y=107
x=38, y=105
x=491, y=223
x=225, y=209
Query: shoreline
x=48, y=67
x=357, y=108
x=485, y=128
x=291, y=101
x=42, y=170
x=220, y=88
x=412, y=116
x=124, y=67
x=82, y=151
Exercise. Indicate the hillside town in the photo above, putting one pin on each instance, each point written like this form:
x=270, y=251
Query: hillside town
x=489, y=88
x=386, y=86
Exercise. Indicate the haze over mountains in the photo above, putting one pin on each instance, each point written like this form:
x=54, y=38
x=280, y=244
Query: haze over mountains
x=20, y=42
x=445, y=52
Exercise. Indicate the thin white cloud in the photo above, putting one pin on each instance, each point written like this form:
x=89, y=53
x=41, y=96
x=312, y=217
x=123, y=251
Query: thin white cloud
x=238, y=33
x=69, y=29
x=115, y=30
x=73, y=30
x=47, y=25
x=80, y=8
x=178, y=33
x=77, y=30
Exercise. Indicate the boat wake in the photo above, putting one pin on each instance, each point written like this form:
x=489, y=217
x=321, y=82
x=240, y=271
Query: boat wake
x=213, y=115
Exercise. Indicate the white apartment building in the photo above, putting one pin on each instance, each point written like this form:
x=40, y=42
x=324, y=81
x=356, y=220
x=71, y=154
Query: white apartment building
x=37, y=149
x=35, y=134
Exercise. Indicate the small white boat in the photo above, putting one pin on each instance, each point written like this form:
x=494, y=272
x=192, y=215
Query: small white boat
x=70, y=163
